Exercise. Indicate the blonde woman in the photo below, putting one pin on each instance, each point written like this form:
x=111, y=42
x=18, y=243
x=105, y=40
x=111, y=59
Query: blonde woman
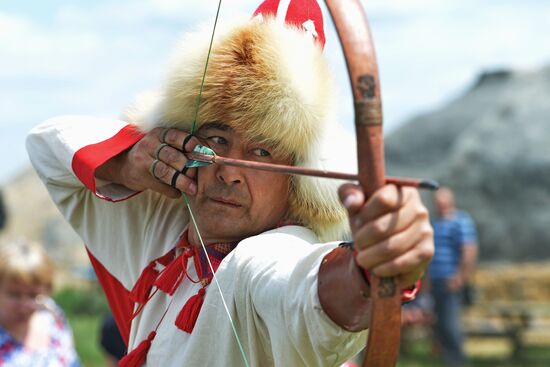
x=33, y=330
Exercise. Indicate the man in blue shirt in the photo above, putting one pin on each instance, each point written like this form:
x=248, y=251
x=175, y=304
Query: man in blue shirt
x=451, y=268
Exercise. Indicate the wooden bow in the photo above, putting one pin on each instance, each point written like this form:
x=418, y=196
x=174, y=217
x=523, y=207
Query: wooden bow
x=353, y=30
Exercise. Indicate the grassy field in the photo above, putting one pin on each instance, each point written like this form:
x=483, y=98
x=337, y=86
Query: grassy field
x=85, y=309
x=85, y=329
x=86, y=333
x=420, y=355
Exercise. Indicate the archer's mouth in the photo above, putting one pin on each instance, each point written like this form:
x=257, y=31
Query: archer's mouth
x=226, y=202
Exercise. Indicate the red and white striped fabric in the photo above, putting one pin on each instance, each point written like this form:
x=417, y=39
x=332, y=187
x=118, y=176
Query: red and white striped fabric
x=305, y=14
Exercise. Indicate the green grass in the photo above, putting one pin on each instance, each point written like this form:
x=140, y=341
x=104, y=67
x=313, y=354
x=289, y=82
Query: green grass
x=85, y=309
x=86, y=335
x=82, y=301
x=419, y=355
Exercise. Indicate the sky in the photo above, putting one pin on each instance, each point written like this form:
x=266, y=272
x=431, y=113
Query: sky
x=61, y=57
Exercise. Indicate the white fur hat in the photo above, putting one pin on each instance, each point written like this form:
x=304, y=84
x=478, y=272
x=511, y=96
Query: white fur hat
x=268, y=80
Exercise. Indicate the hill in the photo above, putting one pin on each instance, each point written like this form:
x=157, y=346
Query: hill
x=491, y=145
x=31, y=214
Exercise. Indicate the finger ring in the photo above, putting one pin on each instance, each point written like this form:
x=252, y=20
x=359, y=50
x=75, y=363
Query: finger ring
x=152, y=168
x=157, y=153
x=184, y=170
x=185, y=141
x=163, y=136
x=174, y=179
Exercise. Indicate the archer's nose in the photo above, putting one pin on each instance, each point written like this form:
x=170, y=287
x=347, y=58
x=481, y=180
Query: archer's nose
x=230, y=175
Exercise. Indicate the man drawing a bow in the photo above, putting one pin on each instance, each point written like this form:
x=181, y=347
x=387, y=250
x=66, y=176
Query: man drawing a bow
x=246, y=273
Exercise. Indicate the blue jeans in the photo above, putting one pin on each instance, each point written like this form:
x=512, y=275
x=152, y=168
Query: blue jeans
x=448, y=328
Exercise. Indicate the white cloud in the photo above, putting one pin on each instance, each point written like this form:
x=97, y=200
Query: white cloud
x=9, y=24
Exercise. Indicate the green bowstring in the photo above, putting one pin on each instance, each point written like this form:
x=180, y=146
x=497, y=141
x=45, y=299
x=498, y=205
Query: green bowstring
x=217, y=284
x=205, y=150
x=197, y=107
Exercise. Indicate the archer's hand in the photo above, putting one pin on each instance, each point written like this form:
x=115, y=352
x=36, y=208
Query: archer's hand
x=135, y=167
x=391, y=231
x=455, y=283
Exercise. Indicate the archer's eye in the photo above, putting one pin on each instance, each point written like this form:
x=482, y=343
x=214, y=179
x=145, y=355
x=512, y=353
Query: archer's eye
x=217, y=140
x=261, y=152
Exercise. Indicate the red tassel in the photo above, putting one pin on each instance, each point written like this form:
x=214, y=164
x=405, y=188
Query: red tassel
x=190, y=312
x=142, y=288
x=136, y=358
x=170, y=278
x=173, y=274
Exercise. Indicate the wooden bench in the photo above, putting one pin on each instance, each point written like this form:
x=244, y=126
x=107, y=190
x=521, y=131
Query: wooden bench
x=518, y=323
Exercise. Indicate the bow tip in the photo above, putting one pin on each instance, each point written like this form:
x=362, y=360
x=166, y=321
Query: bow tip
x=429, y=185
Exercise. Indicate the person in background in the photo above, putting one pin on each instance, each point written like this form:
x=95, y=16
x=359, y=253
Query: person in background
x=450, y=270
x=111, y=341
x=33, y=330
x=3, y=213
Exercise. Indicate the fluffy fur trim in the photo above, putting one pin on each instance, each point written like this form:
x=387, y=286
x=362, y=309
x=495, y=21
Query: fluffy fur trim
x=270, y=82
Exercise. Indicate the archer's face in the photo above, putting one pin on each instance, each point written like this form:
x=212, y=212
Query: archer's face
x=233, y=203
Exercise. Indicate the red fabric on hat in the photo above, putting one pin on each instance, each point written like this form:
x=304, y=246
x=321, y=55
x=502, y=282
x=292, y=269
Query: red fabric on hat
x=298, y=13
x=268, y=7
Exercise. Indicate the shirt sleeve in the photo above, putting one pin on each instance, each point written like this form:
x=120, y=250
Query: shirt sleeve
x=69, y=150
x=65, y=152
x=468, y=233
x=277, y=276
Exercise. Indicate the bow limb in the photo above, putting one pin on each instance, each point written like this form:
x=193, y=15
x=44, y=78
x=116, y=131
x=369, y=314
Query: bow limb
x=354, y=33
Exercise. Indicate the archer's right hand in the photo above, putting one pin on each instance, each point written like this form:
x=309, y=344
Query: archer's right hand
x=156, y=162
